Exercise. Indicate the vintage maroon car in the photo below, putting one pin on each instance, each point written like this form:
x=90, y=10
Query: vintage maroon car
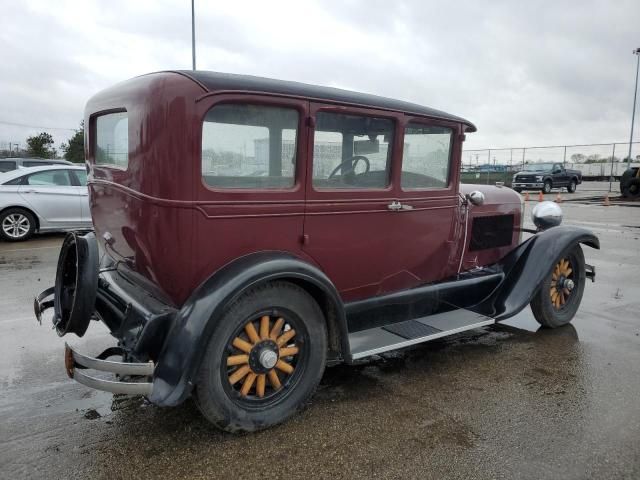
x=249, y=232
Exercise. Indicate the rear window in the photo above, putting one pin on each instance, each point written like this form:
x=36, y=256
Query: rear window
x=249, y=146
x=112, y=140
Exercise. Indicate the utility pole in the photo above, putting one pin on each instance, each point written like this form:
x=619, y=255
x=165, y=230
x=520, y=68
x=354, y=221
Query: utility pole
x=193, y=36
x=636, y=52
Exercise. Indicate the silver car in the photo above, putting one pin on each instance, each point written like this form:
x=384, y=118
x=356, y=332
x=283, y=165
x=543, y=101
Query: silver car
x=43, y=199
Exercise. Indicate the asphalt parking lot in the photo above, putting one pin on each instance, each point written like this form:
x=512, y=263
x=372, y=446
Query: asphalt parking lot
x=507, y=401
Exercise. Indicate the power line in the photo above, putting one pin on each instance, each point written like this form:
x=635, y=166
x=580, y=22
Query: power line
x=35, y=126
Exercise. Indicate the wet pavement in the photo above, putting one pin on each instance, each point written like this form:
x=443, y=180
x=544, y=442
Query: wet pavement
x=505, y=401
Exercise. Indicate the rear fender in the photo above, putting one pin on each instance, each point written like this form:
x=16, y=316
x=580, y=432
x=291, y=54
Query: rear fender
x=193, y=325
x=528, y=265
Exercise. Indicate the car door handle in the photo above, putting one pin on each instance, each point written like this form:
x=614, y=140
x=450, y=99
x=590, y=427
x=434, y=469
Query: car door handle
x=396, y=206
x=30, y=191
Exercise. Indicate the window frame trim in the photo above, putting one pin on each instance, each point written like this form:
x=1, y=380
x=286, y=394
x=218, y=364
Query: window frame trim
x=93, y=139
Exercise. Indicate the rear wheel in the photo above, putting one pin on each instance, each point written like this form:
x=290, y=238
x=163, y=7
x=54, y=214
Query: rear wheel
x=632, y=188
x=16, y=224
x=559, y=296
x=572, y=186
x=264, y=360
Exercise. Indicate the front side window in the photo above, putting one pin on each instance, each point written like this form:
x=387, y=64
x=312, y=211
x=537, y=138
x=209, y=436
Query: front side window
x=112, y=140
x=50, y=178
x=351, y=151
x=426, y=157
x=249, y=146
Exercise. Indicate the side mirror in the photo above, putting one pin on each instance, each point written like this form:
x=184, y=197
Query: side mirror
x=476, y=197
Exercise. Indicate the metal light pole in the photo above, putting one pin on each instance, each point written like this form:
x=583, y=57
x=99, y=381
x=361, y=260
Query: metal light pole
x=635, y=96
x=193, y=36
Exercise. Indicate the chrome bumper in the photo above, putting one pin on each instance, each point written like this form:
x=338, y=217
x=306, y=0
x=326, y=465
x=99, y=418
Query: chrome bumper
x=527, y=185
x=76, y=362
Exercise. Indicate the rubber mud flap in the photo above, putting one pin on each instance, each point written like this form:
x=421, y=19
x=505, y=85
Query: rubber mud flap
x=76, y=284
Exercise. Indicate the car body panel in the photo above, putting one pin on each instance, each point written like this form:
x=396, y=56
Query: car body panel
x=57, y=207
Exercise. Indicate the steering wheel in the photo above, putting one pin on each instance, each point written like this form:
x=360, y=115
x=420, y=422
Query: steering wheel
x=353, y=161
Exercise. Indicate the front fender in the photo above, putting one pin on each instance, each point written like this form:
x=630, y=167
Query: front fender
x=528, y=265
x=189, y=335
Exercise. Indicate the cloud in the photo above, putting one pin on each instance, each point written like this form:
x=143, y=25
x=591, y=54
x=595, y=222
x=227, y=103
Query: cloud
x=530, y=73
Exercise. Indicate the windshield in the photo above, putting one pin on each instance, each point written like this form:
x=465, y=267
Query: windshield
x=538, y=167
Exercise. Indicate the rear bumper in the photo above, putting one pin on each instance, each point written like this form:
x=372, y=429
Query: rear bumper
x=75, y=364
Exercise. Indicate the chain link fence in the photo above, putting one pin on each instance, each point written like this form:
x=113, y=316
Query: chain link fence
x=597, y=161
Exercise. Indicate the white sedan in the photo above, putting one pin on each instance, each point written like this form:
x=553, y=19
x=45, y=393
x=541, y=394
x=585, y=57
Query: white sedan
x=43, y=199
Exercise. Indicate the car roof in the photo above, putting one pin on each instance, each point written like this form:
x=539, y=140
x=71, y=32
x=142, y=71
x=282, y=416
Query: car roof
x=7, y=176
x=215, y=81
x=53, y=161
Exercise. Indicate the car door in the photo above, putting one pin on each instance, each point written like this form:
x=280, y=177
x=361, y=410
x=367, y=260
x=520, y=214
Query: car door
x=53, y=197
x=79, y=180
x=560, y=177
x=355, y=226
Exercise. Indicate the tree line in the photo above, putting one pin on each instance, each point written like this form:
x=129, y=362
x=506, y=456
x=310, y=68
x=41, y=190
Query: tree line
x=42, y=146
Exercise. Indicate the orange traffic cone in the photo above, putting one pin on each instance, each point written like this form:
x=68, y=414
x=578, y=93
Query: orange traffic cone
x=541, y=197
x=558, y=198
x=606, y=200
x=526, y=196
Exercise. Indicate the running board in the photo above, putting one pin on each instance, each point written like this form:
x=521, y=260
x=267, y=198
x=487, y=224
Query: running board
x=411, y=332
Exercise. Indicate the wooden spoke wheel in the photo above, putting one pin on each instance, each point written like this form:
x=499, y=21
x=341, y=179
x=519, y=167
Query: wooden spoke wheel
x=560, y=293
x=265, y=358
x=562, y=283
x=262, y=357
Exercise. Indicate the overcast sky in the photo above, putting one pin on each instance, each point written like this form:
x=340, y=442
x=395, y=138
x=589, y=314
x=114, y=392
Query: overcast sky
x=526, y=73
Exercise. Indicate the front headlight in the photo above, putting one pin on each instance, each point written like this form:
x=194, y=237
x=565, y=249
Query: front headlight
x=539, y=178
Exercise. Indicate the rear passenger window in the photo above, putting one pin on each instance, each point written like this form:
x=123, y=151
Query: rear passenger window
x=50, y=178
x=112, y=140
x=7, y=166
x=351, y=151
x=426, y=157
x=249, y=146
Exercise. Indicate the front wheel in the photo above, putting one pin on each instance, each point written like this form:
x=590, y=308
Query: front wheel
x=547, y=187
x=559, y=296
x=572, y=186
x=264, y=360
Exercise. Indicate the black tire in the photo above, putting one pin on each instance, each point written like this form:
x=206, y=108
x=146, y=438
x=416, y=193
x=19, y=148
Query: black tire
x=219, y=399
x=632, y=188
x=24, y=228
x=572, y=186
x=544, y=310
x=547, y=186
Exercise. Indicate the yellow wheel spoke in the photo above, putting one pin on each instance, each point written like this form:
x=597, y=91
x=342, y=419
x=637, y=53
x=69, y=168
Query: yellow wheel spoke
x=566, y=291
x=251, y=332
x=275, y=331
x=264, y=327
x=285, y=337
x=237, y=360
x=288, y=352
x=284, y=367
x=239, y=374
x=275, y=381
x=568, y=272
x=260, y=384
x=248, y=383
x=240, y=344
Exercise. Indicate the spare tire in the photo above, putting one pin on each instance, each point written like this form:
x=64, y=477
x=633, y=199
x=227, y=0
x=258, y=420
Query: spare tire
x=76, y=284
